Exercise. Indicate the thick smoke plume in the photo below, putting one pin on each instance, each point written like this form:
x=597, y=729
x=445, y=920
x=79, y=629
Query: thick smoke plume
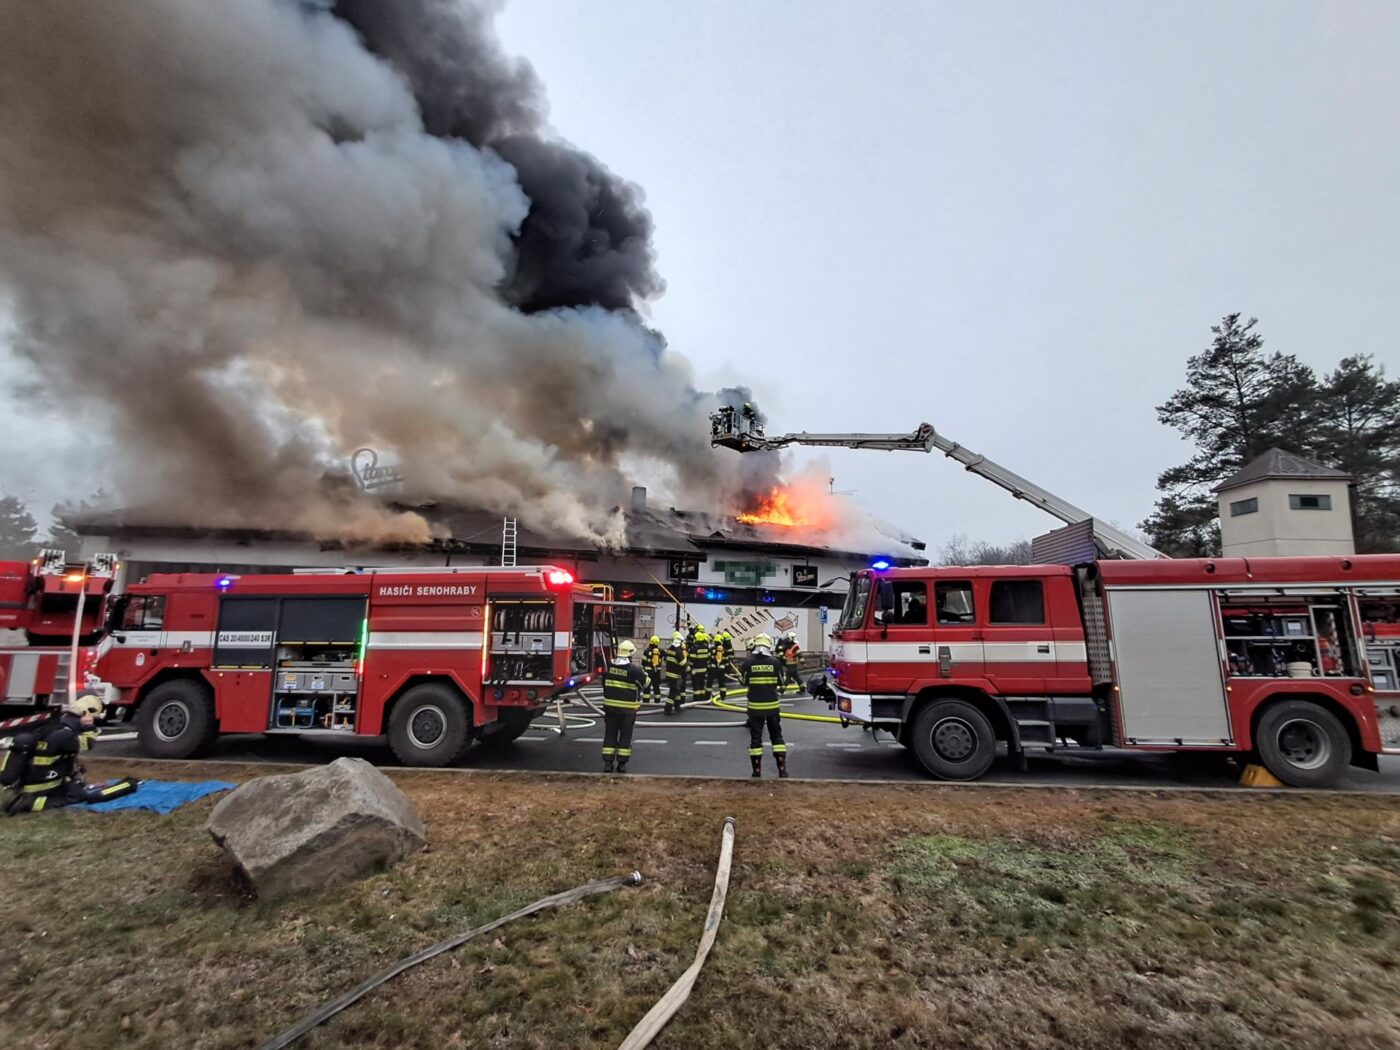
x=243, y=239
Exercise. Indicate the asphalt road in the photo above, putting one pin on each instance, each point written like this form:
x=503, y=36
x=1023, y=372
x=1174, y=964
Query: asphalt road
x=709, y=742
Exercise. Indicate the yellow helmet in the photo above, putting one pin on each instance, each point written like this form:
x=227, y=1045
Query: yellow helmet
x=655, y=640
x=700, y=634
x=762, y=641
x=676, y=636
x=626, y=649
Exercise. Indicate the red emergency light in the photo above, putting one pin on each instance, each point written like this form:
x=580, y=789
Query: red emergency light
x=559, y=579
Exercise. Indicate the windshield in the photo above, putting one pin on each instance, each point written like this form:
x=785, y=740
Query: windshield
x=857, y=598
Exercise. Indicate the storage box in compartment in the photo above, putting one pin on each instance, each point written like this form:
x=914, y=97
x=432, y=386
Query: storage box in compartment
x=525, y=642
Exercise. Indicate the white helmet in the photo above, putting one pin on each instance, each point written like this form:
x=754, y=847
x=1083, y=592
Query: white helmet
x=762, y=641
x=626, y=648
x=85, y=704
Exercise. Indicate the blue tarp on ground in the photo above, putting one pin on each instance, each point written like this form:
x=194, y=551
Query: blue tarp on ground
x=161, y=796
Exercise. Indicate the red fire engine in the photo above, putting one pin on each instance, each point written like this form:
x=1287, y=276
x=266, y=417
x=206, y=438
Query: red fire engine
x=1291, y=659
x=53, y=610
x=434, y=659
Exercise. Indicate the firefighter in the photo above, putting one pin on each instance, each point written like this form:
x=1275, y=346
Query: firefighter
x=690, y=631
x=761, y=675
x=675, y=662
x=623, y=686
x=652, y=658
x=43, y=769
x=724, y=655
x=788, y=652
x=700, y=667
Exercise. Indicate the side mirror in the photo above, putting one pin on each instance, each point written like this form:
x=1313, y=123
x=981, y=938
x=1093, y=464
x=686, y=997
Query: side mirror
x=880, y=616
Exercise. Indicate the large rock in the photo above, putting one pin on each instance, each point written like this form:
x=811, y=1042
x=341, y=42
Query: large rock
x=323, y=827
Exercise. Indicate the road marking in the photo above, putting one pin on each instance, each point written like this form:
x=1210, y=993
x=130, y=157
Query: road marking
x=710, y=743
x=639, y=740
x=116, y=736
x=847, y=747
x=589, y=739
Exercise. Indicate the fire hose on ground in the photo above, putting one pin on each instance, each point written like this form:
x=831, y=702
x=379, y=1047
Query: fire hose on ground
x=657, y=1017
x=646, y=1029
x=721, y=705
x=334, y=1007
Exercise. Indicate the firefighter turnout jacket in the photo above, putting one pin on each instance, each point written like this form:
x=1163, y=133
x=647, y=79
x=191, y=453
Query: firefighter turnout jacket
x=623, y=686
x=41, y=768
x=675, y=661
x=700, y=652
x=652, y=655
x=760, y=674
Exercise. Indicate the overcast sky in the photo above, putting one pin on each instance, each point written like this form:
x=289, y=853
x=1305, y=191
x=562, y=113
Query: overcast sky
x=1014, y=221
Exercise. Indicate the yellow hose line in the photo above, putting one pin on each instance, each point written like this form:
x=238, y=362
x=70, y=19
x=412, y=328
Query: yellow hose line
x=786, y=714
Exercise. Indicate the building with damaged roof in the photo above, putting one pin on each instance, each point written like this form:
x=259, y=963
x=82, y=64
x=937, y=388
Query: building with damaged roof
x=677, y=566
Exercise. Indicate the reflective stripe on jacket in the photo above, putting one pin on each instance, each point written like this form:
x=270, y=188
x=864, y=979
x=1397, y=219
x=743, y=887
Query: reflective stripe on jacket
x=761, y=675
x=623, y=685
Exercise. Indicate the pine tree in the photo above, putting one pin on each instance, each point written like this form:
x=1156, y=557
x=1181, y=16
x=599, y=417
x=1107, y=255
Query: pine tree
x=1358, y=431
x=17, y=530
x=1237, y=404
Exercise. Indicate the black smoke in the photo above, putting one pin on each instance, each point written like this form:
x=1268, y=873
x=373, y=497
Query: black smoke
x=586, y=240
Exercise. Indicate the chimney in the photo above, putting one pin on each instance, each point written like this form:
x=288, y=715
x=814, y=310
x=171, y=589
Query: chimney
x=639, y=498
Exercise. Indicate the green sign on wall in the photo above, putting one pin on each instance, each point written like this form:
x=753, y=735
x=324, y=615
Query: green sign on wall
x=745, y=573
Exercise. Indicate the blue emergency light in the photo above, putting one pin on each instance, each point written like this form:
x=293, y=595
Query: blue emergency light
x=881, y=562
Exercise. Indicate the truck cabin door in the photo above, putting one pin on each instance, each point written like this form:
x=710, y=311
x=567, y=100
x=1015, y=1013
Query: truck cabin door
x=898, y=651
x=1017, y=639
x=956, y=647
x=136, y=628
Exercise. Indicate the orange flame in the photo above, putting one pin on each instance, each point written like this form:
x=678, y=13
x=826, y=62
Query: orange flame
x=791, y=507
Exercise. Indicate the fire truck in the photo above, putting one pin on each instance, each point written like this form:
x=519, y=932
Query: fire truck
x=1293, y=659
x=434, y=659
x=1287, y=659
x=51, y=616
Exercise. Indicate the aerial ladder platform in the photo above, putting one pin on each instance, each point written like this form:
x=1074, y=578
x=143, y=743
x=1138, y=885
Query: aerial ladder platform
x=741, y=429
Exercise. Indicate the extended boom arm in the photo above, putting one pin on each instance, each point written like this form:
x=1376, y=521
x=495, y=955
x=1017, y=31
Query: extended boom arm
x=740, y=430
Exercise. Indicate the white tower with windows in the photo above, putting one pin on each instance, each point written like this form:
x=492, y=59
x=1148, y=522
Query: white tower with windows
x=1282, y=505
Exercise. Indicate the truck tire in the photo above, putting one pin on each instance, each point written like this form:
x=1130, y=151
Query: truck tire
x=430, y=726
x=509, y=726
x=1303, y=744
x=176, y=720
x=953, y=740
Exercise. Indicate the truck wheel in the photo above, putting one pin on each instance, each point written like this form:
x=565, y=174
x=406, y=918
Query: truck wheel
x=430, y=726
x=510, y=725
x=176, y=720
x=1303, y=744
x=953, y=740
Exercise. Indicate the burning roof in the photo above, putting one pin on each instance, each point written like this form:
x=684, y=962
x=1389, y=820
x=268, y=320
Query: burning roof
x=647, y=530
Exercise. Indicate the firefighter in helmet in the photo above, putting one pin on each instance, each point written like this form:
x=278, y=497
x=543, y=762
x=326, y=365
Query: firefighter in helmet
x=623, y=685
x=724, y=654
x=788, y=653
x=42, y=767
x=761, y=675
x=675, y=660
x=651, y=663
x=700, y=652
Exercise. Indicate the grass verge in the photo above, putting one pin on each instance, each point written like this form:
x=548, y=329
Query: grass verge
x=858, y=916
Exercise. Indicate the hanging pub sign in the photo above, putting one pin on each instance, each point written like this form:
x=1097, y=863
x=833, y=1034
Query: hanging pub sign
x=683, y=569
x=804, y=575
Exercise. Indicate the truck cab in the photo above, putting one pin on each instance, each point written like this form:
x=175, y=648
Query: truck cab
x=1002, y=643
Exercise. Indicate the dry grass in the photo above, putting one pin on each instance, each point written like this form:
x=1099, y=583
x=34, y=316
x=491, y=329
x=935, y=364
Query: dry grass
x=858, y=916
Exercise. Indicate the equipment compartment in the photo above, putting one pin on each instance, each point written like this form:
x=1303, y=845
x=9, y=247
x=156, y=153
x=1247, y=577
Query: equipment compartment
x=520, y=643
